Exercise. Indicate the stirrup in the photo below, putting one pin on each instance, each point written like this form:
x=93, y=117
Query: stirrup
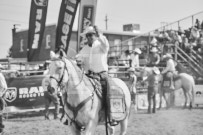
x=113, y=123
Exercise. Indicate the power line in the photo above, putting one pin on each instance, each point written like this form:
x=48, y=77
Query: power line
x=10, y=20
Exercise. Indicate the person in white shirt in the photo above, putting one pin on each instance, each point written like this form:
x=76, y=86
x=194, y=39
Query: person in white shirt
x=3, y=88
x=135, y=58
x=93, y=56
x=170, y=68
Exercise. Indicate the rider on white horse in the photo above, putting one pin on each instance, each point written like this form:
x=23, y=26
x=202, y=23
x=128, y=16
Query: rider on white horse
x=94, y=55
x=170, y=68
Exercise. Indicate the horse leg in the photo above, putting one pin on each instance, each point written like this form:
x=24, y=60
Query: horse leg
x=191, y=96
x=124, y=126
x=164, y=95
x=111, y=130
x=186, y=98
x=160, y=100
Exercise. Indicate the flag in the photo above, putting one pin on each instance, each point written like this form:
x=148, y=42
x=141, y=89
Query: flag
x=65, y=23
x=38, y=13
x=86, y=18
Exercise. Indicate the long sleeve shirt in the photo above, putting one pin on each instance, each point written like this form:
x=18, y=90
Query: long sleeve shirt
x=95, y=57
x=170, y=66
x=135, y=61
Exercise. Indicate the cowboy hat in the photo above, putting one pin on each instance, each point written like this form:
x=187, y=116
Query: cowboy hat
x=167, y=56
x=131, y=69
x=154, y=49
x=156, y=70
x=137, y=50
x=89, y=29
x=154, y=41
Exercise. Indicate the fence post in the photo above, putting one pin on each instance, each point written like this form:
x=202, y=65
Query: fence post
x=192, y=21
x=176, y=51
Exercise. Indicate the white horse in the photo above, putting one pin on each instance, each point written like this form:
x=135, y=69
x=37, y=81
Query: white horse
x=182, y=80
x=82, y=105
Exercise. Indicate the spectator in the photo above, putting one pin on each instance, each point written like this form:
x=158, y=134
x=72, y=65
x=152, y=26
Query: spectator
x=185, y=42
x=154, y=57
x=197, y=24
x=153, y=86
x=153, y=42
x=132, y=85
x=3, y=88
x=135, y=58
x=125, y=59
x=50, y=95
x=202, y=25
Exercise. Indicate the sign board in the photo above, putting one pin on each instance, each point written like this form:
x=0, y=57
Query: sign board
x=25, y=92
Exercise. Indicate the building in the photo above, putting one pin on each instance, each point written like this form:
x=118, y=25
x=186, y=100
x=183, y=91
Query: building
x=118, y=43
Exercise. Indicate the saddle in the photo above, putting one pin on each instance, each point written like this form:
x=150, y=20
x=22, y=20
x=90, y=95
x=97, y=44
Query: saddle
x=115, y=99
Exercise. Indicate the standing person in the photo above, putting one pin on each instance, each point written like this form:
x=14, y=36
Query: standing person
x=3, y=88
x=170, y=69
x=153, y=87
x=50, y=96
x=154, y=57
x=132, y=84
x=135, y=58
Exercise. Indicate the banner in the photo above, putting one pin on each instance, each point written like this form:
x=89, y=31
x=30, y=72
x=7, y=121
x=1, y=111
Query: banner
x=38, y=14
x=86, y=18
x=65, y=22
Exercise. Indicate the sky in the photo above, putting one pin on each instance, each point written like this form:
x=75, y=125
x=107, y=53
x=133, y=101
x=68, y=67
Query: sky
x=150, y=14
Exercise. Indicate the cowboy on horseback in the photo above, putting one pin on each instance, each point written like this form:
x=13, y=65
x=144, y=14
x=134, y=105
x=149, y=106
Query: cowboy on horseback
x=170, y=69
x=93, y=56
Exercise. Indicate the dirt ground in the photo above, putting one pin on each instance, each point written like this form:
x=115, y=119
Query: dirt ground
x=174, y=121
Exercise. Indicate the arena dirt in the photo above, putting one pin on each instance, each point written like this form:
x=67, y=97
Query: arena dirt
x=175, y=121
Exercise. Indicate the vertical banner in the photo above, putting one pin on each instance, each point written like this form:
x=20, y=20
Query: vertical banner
x=86, y=18
x=65, y=22
x=37, y=22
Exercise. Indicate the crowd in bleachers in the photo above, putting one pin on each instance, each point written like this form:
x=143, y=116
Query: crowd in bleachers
x=188, y=40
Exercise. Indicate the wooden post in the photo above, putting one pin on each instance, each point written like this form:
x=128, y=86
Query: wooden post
x=176, y=51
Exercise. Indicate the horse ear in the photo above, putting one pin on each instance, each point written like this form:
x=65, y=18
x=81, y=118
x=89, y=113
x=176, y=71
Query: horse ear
x=52, y=55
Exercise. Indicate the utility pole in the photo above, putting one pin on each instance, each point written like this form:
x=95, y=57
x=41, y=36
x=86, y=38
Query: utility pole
x=106, y=20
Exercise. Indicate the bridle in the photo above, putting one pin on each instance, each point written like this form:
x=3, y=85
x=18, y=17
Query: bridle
x=74, y=110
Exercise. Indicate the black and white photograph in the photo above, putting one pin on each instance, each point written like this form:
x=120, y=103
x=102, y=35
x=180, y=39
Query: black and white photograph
x=101, y=67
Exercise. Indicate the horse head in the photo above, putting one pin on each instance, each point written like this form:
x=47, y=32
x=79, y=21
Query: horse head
x=58, y=72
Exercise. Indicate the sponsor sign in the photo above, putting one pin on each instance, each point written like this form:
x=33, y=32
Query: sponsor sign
x=31, y=92
x=10, y=94
x=37, y=21
x=142, y=102
x=86, y=18
x=65, y=22
x=25, y=92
